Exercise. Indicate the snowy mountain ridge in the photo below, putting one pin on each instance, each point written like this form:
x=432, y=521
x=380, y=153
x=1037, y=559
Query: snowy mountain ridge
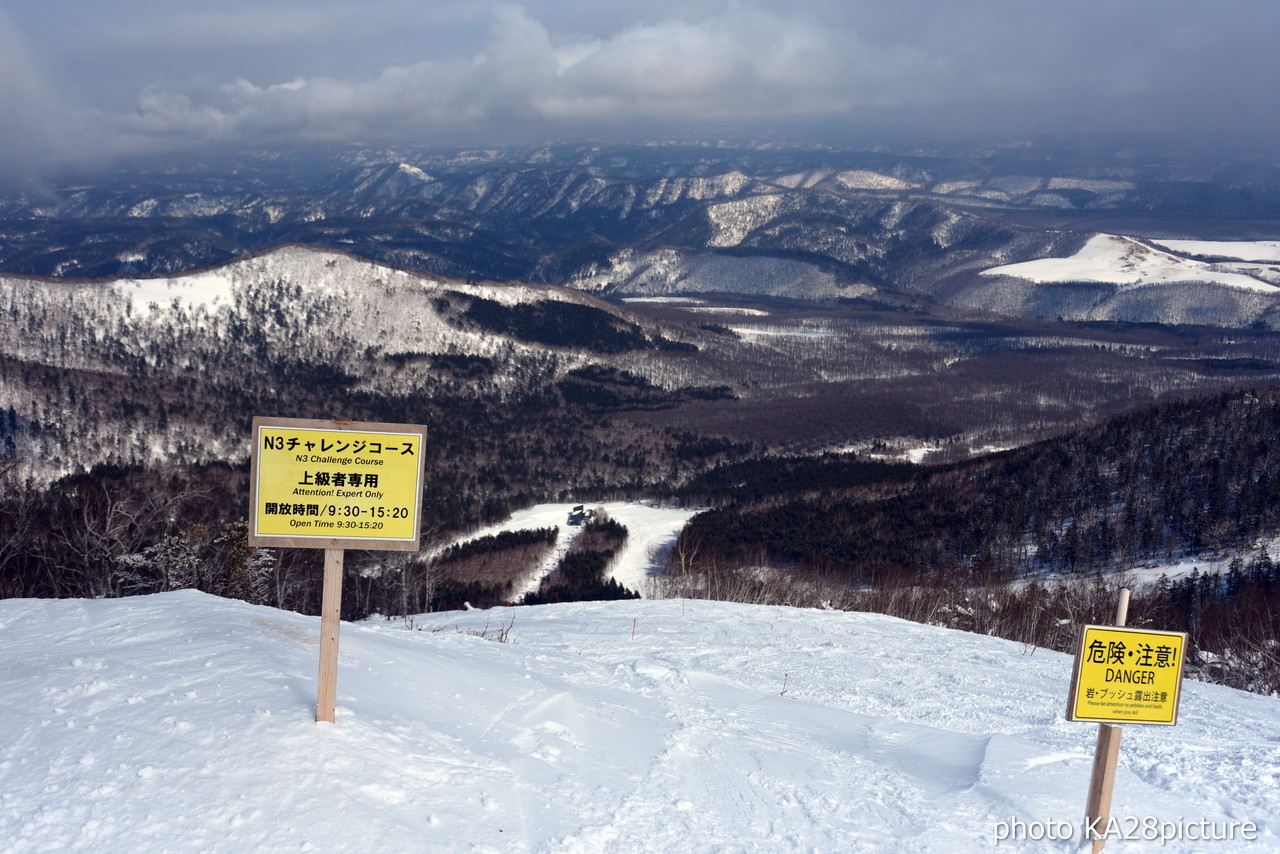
x=398, y=309
x=1118, y=278
x=915, y=225
x=350, y=322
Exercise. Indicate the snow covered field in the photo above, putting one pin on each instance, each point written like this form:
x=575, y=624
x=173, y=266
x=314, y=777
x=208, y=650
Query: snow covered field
x=1127, y=263
x=183, y=722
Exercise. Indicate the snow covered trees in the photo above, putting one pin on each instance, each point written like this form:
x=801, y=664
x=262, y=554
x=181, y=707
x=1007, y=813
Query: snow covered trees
x=220, y=562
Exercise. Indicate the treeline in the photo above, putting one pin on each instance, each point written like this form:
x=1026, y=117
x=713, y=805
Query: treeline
x=503, y=541
x=772, y=478
x=1232, y=619
x=484, y=572
x=969, y=546
x=603, y=389
x=558, y=323
x=1185, y=478
x=121, y=531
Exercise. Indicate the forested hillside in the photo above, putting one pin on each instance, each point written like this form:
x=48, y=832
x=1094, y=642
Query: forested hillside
x=1031, y=543
x=1190, y=477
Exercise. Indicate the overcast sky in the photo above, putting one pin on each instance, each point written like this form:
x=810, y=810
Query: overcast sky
x=94, y=78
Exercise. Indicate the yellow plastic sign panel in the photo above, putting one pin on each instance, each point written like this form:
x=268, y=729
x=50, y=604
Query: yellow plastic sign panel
x=1127, y=676
x=336, y=484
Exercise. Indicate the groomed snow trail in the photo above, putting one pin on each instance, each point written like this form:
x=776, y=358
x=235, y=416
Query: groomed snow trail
x=651, y=531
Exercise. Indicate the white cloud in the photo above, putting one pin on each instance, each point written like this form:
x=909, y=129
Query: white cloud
x=750, y=64
x=152, y=74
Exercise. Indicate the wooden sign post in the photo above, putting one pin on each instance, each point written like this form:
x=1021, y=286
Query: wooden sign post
x=335, y=485
x=330, y=623
x=1121, y=675
x=1106, y=757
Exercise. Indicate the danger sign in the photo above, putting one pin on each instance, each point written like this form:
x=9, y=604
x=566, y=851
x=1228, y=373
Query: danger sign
x=1127, y=676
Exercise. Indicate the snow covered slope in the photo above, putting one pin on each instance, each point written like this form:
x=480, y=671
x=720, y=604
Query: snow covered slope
x=182, y=722
x=1114, y=278
x=1128, y=263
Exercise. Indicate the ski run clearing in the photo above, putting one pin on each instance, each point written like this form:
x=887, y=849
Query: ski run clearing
x=181, y=722
x=651, y=532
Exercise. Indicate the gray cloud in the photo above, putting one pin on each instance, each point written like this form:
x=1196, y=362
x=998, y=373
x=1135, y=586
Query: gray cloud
x=753, y=63
x=150, y=75
x=39, y=131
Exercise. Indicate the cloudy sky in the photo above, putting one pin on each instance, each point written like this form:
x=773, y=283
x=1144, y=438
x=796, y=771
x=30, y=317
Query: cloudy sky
x=95, y=78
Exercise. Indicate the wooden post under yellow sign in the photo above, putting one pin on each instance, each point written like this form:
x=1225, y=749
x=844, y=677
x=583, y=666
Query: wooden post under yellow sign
x=330, y=622
x=1121, y=675
x=333, y=485
x=1106, y=756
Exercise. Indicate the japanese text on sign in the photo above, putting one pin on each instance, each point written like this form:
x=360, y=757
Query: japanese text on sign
x=328, y=480
x=1127, y=676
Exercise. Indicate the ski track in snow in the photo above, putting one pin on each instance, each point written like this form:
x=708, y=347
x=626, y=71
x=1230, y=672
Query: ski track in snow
x=183, y=722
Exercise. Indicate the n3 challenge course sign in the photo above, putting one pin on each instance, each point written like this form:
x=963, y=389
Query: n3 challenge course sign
x=336, y=484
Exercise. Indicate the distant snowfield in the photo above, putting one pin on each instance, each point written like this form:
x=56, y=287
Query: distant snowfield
x=762, y=332
x=665, y=300
x=1127, y=263
x=204, y=290
x=725, y=309
x=181, y=722
x=651, y=531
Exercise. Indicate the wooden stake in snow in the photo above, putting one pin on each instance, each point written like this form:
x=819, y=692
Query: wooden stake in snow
x=330, y=621
x=1106, y=756
x=1121, y=676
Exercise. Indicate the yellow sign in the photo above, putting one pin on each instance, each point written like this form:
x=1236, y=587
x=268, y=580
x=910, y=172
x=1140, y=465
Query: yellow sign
x=336, y=484
x=1127, y=676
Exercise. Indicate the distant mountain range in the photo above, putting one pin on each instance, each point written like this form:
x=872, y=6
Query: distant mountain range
x=901, y=230
x=779, y=333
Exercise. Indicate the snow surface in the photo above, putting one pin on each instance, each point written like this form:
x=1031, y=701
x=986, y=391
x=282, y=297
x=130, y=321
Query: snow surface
x=181, y=722
x=1123, y=261
x=665, y=300
x=204, y=290
x=729, y=309
x=762, y=332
